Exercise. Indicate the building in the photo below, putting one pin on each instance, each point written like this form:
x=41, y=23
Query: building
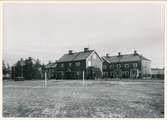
x=6, y=76
x=126, y=66
x=51, y=70
x=157, y=73
x=74, y=65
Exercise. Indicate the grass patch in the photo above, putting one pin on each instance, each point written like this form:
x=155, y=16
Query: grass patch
x=110, y=99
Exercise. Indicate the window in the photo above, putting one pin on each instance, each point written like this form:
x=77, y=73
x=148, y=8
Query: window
x=134, y=65
x=118, y=65
x=62, y=73
x=112, y=66
x=62, y=65
x=111, y=73
x=70, y=64
x=123, y=73
x=78, y=73
x=104, y=67
x=126, y=73
x=105, y=73
x=77, y=64
x=89, y=63
x=126, y=65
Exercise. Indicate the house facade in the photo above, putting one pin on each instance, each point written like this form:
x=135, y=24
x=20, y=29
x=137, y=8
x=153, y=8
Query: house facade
x=126, y=66
x=157, y=73
x=74, y=64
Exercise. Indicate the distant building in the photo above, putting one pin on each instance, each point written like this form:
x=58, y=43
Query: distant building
x=157, y=73
x=73, y=64
x=51, y=70
x=126, y=66
x=6, y=76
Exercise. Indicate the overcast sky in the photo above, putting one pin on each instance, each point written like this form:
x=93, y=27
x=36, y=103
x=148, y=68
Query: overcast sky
x=47, y=31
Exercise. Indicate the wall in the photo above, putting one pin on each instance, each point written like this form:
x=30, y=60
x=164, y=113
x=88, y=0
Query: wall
x=75, y=72
x=146, y=68
x=106, y=69
x=114, y=72
x=94, y=60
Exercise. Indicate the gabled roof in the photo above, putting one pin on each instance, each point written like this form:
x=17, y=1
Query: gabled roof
x=105, y=59
x=77, y=56
x=124, y=58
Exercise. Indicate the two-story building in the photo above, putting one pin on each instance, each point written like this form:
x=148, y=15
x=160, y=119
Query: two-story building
x=74, y=64
x=126, y=66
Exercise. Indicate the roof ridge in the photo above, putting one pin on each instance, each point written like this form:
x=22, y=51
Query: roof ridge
x=125, y=57
x=90, y=51
x=104, y=57
x=122, y=55
x=75, y=56
x=78, y=52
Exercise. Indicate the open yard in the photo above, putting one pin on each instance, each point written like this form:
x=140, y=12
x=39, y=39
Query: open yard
x=65, y=98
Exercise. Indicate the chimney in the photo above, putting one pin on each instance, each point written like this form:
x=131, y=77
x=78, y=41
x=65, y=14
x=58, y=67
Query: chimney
x=69, y=52
x=119, y=53
x=135, y=52
x=86, y=49
x=107, y=55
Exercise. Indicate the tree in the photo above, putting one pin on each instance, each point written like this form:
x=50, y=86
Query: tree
x=6, y=70
x=37, y=70
x=19, y=68
x=43, y=71
x=28, y=68
x=28, y=71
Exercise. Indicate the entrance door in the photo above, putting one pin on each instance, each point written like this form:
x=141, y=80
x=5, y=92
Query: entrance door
x=134, y=73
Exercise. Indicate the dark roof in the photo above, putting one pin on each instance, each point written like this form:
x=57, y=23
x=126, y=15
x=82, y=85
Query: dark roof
x=124, y=58
x=77, y=56
x=51, y=65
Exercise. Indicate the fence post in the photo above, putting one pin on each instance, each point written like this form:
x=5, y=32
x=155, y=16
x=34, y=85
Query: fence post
x=45, y=79
x=83, y=79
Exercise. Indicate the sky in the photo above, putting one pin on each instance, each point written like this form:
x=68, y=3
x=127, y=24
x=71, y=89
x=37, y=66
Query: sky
x=47, y=31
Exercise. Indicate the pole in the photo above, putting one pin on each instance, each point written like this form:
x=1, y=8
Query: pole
x=14, y=73
x=22, y=72
x=83, y=79
x=45, y=79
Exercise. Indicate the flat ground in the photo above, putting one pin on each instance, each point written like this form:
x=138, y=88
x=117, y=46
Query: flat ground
x=62, y=98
